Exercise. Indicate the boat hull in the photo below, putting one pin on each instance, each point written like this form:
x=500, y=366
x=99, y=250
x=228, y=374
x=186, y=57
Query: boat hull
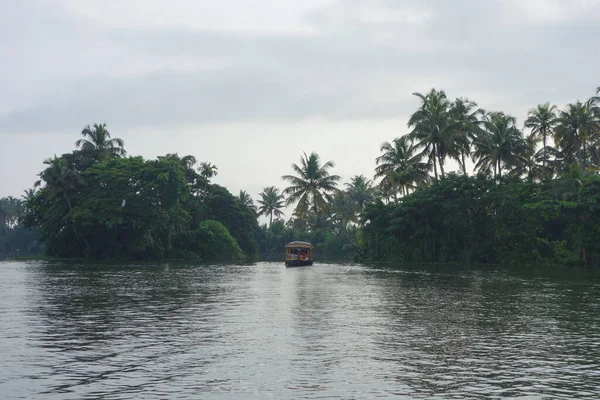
x=298, y=263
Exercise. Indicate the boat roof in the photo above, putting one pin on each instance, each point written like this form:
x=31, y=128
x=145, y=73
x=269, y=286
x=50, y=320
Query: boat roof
x=300, y=244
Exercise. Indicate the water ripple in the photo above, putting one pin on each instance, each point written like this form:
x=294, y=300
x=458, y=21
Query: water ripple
x=326, y=332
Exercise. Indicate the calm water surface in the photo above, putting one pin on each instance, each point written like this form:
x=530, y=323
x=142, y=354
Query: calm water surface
x=329, y=331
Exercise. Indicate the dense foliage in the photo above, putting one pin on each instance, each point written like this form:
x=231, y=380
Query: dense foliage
x=15, y=239
x=532, y=197
x=476, y=219
x=95, y=203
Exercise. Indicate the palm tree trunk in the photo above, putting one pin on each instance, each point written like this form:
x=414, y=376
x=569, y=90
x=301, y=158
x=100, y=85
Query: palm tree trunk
x=499, y=169
x=441, y=167
x=545, y=148
x=435, y=163
x=584, y=155
x=271, y=219
x=464, y=165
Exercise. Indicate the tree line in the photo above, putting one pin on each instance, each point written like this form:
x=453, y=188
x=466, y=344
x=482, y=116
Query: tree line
x=556, y=164
x=95, y=202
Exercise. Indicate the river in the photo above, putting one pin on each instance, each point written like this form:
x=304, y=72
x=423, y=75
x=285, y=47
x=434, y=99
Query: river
x=263, y=331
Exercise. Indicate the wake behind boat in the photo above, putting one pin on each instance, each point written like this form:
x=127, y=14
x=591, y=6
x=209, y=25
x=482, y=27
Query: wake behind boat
x=298, y=254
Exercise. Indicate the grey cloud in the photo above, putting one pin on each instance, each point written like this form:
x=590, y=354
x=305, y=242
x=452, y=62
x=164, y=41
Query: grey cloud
x=351, y=67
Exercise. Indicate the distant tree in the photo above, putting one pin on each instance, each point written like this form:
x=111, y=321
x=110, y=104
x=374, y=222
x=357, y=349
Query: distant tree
x=208, y=170
x=499, y=144
x=433, y=129
x=400, y=167
x=542, y=120
x=246, y=200
x=577, y=134
x=97, y=141
x=465, y=124
x=313, y=185
x=271, y=202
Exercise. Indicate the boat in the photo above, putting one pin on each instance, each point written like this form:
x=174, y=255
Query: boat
x=298, y=254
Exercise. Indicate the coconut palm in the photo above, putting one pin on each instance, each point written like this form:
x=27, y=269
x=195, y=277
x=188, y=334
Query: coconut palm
x=312, y=187
x=29, y=194
x=360, y=192
x=542, y=120
x=186, y=162
x=577, y=134
x=208, y=170
x=400, y=166
x=531, y=163
x=246, y=200
x=342, y=210
x=271, y=202
x=499, y=144
x=59, y=179
x=433, y=129
x=466, y=118
x=98, y=142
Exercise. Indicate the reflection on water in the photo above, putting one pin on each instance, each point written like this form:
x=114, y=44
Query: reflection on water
x=266, y=331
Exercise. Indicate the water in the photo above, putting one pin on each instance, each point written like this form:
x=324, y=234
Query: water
x=323, y=332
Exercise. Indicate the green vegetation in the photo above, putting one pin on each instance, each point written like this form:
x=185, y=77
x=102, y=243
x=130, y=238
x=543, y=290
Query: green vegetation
x=95, y=203
x=15, y=239
x=526, y=204
x=532, y=197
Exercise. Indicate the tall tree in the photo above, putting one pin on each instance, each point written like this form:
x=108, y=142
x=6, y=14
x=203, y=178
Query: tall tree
x=400, y=166
x=342, y=210
x=312, y=187
x=271, y=202
x=98, y=142
x=360, y=192
x=528, y=163
x=59, y=179
x=246, y=200
x=542, y=120
x=576, y=134
x=208, y=170
x=499, y=144
x=466, y=118
x=11, y=211
x=433, y=129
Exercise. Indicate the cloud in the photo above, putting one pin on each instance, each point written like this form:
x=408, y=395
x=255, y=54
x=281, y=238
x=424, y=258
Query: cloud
x=129, y=64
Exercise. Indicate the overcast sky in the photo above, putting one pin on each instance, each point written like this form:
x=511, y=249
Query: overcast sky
x=250, y=84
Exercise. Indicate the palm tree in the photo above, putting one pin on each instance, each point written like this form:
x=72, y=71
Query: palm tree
x=433, y=128
x=400, y=167
x=59, y=179
x=246, y=200
x=270, y=203
x=342, y=210
x=29, y=194
x=186, y=162
x=313, y=186
x=97, y=141
x=465, y=117
x=542, y=120
x=576, y=130
x=528, y=164
x=360, y=192
x=208, y=170
x=500, y=143
x=11, y=211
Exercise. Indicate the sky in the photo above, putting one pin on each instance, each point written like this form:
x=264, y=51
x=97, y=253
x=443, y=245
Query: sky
x=251, y=85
